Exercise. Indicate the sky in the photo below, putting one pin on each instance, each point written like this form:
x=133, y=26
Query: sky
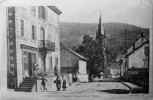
x=136, y=12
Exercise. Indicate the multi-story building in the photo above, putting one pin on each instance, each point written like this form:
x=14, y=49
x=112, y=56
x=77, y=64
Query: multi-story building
x=33, y=37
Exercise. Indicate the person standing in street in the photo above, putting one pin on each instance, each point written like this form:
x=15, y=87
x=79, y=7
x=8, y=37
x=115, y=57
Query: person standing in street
x=43, y=83
x=58, y=83
x=64, y=83
x=35, y=71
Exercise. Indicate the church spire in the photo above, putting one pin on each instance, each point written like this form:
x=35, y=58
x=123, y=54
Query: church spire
x=100, y=30
x=100, y=26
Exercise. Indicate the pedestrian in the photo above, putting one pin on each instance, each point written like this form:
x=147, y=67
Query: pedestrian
x=58, y=83
x=68, y=79
x=64, y=83
x=43, y=83
x=35, y=71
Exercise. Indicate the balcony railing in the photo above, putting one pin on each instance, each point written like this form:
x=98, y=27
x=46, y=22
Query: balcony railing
x=46, y=44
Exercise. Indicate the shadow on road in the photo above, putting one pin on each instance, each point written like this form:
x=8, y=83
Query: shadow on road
x=115, y=91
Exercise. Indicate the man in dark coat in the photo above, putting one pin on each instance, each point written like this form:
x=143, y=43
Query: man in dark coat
x=58, y=83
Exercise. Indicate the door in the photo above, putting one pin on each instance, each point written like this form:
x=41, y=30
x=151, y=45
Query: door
x=25, y=64
x=30, y=63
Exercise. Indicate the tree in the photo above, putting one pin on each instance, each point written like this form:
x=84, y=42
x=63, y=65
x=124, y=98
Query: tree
x=91, y=50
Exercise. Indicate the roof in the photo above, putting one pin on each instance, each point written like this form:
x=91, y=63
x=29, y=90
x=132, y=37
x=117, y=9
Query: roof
x=141, y=36
x=55, y=9
x=62, y=46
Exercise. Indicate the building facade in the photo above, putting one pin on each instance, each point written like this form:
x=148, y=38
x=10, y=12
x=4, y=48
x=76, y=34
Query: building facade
x=73, y=65
x=135, y=66
x=33, y=38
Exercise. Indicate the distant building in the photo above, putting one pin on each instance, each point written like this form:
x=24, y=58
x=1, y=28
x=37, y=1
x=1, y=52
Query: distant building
x=73, y=65
x=114, y=70
x=135, y=66
x=33, y=37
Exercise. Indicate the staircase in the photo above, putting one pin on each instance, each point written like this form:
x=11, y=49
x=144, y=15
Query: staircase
x=26, y=85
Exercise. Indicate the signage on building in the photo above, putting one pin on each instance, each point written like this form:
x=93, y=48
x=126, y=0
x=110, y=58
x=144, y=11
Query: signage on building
x=28, y=47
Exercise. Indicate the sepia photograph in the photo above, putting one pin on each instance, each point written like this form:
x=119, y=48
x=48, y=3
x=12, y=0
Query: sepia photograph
x=76, y=49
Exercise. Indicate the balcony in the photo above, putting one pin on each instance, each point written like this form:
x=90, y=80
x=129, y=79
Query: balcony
x=46, y=45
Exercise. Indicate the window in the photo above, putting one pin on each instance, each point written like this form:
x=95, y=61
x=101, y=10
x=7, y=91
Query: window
x=42, y=12
x=146, y=51
x=56, y=61
x=51, y=63
x=50, y=19
x=49, y=37
x=33, y=32
x=33, y=10
x=42, y=34
x=22, y=27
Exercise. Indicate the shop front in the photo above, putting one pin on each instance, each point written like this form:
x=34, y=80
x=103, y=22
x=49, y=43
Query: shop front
x=29, y=59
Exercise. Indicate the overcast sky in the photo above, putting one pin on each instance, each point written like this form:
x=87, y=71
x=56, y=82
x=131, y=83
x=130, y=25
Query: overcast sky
x=123, y=11
x=87, y=11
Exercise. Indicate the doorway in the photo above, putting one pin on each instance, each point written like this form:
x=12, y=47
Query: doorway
x=28, y=63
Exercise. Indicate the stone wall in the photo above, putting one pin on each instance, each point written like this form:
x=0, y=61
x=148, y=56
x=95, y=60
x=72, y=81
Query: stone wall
x=12, y=58
x=136, y=59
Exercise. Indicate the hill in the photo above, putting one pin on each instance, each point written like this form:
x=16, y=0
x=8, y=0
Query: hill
x=72, y=33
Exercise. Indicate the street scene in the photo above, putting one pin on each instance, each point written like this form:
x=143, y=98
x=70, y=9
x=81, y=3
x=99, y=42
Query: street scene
x=72, y=50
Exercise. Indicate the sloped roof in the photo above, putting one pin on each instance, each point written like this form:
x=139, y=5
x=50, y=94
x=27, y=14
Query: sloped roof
x=55, y=9
x=146, y=36
x=62, y=46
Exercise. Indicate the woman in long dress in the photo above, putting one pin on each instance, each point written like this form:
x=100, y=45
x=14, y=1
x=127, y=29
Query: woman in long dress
x=64, y=83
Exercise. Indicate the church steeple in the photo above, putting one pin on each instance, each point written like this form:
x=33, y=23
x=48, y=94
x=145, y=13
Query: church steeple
x=100, y=31
x=100, y=26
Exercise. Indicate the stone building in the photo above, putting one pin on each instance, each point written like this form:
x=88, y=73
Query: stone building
x=33, y=37
x=135, y=66
x=73, y=65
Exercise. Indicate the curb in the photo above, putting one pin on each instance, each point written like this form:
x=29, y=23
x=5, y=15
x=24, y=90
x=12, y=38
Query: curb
x=131, y=89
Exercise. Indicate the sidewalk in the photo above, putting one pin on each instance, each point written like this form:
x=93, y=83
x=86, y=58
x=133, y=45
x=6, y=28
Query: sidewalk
x=134, y=88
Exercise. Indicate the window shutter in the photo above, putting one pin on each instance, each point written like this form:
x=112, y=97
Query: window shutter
x=22, y=27
x=51, y=62
x=35, y=32
x=39, y=11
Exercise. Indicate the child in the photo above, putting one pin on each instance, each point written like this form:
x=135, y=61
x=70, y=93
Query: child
x=43, y=83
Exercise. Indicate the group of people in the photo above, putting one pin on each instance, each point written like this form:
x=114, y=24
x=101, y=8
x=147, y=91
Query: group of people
x=58, y=83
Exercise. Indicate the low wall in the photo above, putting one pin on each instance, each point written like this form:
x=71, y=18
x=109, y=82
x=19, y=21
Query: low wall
x=83, y=77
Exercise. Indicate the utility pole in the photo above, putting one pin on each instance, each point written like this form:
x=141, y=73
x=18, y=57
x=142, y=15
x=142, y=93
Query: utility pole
x=125, y=40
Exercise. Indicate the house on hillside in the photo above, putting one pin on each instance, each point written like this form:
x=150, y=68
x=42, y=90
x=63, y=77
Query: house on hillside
x=136, y=61
x=73, y=65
